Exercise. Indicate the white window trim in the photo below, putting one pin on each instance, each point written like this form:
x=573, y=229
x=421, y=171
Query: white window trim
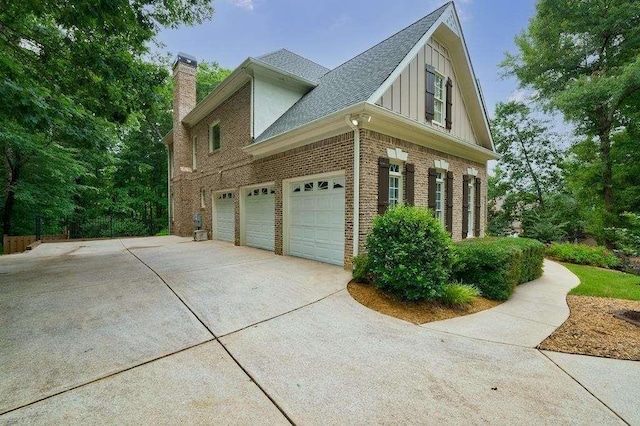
x=443, y=194
x=194, y=151
x=443, y=100
x=211, y=147
x=398, y=175
x=471, y=219
x=203, y=198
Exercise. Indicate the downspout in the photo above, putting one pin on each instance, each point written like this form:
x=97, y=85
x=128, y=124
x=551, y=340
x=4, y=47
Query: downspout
x=356, y=182
x=169, y=212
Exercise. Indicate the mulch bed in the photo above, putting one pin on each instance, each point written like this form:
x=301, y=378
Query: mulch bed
x=594, y=329
x=415, y=312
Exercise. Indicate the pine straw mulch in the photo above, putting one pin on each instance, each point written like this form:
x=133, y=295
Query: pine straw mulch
x=415, y=312
x=592, y=329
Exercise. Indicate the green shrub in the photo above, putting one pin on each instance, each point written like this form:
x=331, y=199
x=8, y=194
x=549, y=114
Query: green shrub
x=497, y=265
x=458, y=294
x=361, y=268
x=409, y=253
x=582, y=254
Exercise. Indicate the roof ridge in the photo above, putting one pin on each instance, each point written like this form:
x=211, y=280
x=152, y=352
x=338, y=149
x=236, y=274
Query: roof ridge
x=438, y=10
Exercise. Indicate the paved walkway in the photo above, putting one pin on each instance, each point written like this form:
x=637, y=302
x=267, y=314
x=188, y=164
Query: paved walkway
x=165, y=330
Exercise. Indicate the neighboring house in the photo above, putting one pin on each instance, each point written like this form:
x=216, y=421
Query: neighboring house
x=289, y=156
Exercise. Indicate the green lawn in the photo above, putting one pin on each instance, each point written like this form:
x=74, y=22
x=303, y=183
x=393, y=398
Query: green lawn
x=605, y=283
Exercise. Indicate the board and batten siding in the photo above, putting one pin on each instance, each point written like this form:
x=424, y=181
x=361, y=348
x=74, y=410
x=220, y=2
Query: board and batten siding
x=407, y=94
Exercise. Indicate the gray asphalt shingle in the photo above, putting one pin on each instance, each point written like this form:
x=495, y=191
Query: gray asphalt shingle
x=354, y=81
x=294, y=64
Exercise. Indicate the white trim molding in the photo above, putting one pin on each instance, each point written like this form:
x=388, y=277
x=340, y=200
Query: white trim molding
x=472, y=171
x=397, y=154
x=441, y=164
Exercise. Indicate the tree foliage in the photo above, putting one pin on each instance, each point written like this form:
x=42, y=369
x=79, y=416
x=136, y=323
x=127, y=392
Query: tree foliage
x=74, y=80
x=582, y=57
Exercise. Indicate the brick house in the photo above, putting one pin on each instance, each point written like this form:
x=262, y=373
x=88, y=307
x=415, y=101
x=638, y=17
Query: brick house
x=289, y=156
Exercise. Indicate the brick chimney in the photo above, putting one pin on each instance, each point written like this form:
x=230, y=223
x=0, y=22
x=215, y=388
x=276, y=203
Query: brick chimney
x=184, y=100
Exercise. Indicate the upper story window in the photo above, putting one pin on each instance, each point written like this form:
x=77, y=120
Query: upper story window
x=214, y=136
x=194, y=150
x=395, y=184
x=440, y=193
x=439, y=99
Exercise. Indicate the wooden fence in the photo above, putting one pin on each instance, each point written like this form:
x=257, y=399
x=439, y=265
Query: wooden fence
x=20, y=243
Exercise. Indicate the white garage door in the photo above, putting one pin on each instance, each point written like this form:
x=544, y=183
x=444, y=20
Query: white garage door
x=260, y=217
x=224, y=221
x=316, y=212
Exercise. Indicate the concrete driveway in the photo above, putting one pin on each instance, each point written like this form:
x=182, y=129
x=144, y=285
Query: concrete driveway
x=165, y=330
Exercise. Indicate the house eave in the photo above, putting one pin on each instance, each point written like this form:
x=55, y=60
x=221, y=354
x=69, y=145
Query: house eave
x=382, y=121
x=393, y=124
x=236, y=80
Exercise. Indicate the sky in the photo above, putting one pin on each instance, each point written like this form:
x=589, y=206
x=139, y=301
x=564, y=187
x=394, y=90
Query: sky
x=331, y=32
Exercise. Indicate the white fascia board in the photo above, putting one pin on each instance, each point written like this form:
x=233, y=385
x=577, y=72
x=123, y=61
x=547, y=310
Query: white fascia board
x=238, y=78
x=407, y=59
x=396, y=125
x=473, y=76
x=257, y=63
x=168, y=138
x=321, y=128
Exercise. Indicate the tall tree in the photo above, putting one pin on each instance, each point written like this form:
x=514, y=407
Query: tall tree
x=530, y=152
x=582, y=57
x=209, y=76
x=72, y=74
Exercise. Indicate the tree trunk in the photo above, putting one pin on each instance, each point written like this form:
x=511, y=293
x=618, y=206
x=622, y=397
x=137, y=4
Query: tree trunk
x=607, y=184
x=533, y=175
x=9, y=202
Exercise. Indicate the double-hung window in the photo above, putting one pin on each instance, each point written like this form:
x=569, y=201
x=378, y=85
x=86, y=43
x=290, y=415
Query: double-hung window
x=439, y=99
x=471, y=203
x=440, y=193
x=214, y=136
x=395, y=184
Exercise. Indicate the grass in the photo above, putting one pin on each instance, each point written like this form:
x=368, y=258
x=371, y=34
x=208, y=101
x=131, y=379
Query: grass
x=605, y=283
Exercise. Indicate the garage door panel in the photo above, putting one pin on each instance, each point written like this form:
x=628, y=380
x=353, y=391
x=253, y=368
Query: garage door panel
x=260, y=218
x=225, y=217
x=317, y=213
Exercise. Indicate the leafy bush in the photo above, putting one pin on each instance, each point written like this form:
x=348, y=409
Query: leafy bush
x=496, y=265
x=409, y=253
x=582, y=255
x=361, y=268
x=458, y=294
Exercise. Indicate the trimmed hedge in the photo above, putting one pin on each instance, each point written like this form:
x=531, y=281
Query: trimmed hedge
x=497, y=265
x=583, y=255
x=409, y=253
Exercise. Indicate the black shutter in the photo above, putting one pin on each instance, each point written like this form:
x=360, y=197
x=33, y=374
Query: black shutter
x=449, y=103
x=476, y=221
x=448, y=218
x=409, y=172
x=465, y=206
x=431, y=189
x=383, y=184
x=430, y=88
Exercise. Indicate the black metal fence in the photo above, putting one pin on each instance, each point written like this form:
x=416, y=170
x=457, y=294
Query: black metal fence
x=109, y=226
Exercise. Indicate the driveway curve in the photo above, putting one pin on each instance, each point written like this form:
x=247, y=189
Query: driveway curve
x=212, y=333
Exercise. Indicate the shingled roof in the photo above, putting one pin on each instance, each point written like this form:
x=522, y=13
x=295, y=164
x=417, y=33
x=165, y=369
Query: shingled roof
x=354, y=81
x=294, y=64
